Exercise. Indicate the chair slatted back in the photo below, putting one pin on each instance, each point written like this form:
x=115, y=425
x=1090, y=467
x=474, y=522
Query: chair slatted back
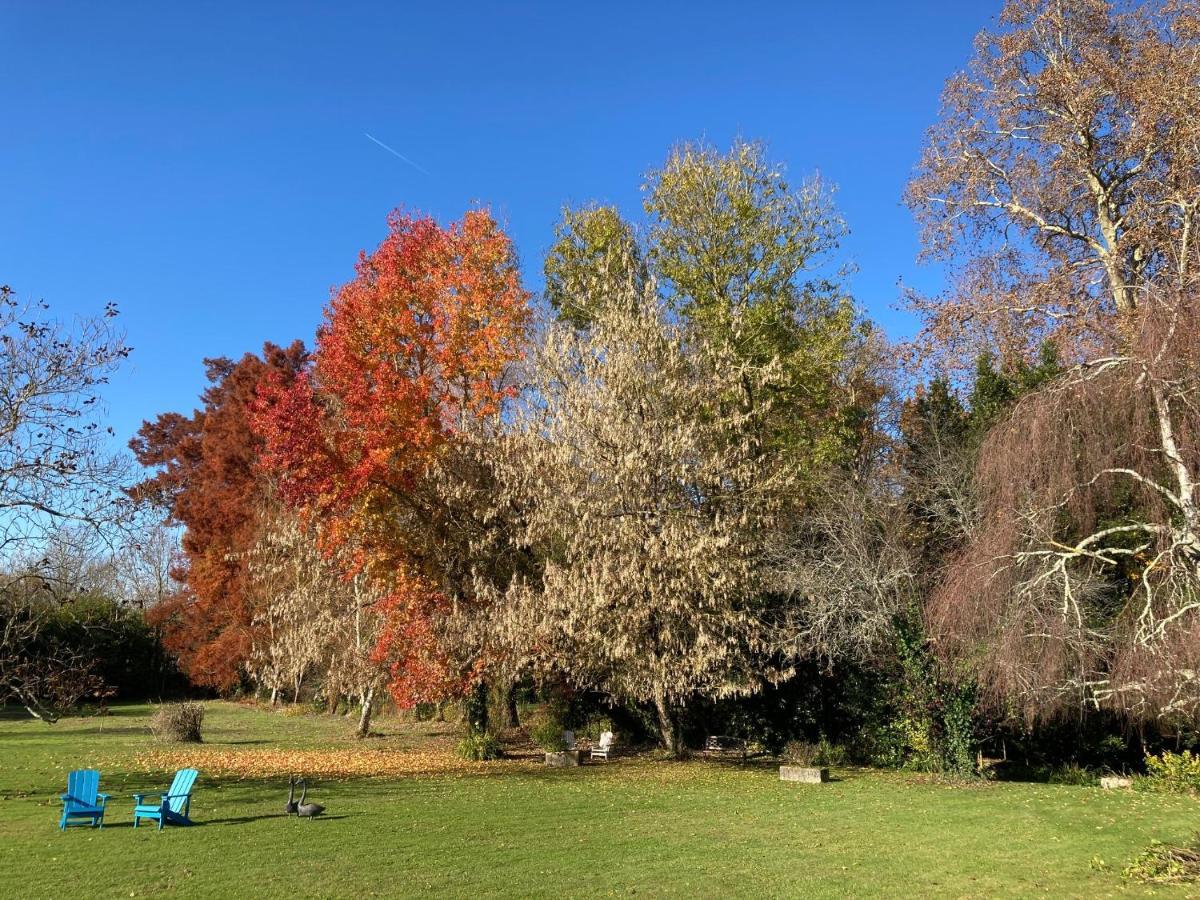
x=82, y=787
x=181, y=788
x=606, y=740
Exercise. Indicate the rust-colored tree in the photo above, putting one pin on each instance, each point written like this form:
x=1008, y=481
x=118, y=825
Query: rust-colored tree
x=207, y=480
x=414, y=351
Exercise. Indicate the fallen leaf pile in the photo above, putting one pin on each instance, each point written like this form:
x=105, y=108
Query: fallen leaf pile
x=354, y=763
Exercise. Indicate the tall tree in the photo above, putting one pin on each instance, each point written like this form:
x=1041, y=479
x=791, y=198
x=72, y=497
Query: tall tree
x=644, y=489
x=592, y=245
x=57, y=473
x=208, y=481
x=414, y=351
x=1063, y=176
x=1064, y=172
x=749, y=259
x=732, y=289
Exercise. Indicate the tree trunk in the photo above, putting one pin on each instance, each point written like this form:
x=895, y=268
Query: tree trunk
x=503, y=705
x=666, y=724
x=364, y=720
x=299, y=682
x=275, y=696
x=510, y=698
x=40, y=714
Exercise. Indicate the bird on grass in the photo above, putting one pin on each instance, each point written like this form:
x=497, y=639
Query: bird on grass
x=307, y=810
x=290, y=809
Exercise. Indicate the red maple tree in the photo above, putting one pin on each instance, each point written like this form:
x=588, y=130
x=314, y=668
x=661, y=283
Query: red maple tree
x=414, y=348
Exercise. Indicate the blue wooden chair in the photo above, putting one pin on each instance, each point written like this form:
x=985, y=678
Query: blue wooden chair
x=172, y=807
x=83, y=799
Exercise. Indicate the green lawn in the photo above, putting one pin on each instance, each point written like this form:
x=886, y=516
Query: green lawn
x=516, y=829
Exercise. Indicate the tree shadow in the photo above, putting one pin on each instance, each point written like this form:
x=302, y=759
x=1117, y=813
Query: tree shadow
x=239, y=820
x=324, y=818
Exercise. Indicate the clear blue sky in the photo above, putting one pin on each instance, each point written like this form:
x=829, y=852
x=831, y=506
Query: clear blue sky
x=205, y=166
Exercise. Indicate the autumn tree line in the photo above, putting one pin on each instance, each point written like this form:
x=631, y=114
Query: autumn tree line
x=692, y=484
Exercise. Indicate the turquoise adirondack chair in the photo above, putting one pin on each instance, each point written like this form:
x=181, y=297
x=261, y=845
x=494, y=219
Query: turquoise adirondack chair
x=83, y=799
x=173, y=806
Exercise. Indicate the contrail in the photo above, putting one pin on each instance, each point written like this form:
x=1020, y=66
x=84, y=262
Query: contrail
x=396, y=153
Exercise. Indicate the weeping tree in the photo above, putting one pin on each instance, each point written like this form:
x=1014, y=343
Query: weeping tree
x=1061, y=186
x=1082, y=581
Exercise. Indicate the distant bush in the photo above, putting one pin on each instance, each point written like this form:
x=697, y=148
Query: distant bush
x=821, y=753
x=1173, y=772
x=480, y=747
x=178, y=722
x=800, y=753
x=548, y=734
x=829, y=754
x=1072, y=773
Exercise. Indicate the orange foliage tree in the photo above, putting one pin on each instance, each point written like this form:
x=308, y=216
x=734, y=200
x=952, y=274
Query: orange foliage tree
x=414, y=352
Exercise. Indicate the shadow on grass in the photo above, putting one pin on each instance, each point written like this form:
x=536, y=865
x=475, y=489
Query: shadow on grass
x=328, y=818
x=242, y=743
x=45, y=731
x=201, y=823
x=1059, y=776
x=237, y=820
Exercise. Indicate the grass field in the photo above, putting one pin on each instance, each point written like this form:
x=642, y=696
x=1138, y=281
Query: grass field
x=438, y=827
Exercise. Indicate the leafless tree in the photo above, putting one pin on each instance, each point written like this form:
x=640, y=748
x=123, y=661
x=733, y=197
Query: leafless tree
x=1063, y=175
x=145, y=562
x=846, y=570
x=56, y=465
x=58, y=478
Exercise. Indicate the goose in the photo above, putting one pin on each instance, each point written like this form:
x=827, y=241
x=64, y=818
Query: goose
x=307, y=810
x=290, y=809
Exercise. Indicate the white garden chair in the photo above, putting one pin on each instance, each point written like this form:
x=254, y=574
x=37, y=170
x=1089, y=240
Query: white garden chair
x=601, y=750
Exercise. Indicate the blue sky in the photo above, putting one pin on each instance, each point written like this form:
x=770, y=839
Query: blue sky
x=206, y=165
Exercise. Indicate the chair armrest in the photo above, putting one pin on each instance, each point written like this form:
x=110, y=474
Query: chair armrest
x=64, y=797
x=137, y=798
x=103, y=797
x=174, y=796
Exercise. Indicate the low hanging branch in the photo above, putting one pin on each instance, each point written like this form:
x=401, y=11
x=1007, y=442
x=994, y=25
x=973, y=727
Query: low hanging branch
x=40, y=676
